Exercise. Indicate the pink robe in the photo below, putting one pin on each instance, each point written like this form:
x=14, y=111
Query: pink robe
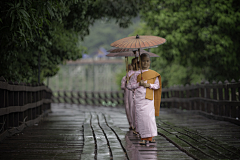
x=127, y=94
x=130, y=103
x=145, y=111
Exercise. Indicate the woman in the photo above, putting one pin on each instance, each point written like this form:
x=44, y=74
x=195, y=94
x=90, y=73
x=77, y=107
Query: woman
x=147, y=99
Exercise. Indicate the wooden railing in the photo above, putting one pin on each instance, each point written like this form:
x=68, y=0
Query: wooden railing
x=219, y=99
x=89, y=98
x=22, y=105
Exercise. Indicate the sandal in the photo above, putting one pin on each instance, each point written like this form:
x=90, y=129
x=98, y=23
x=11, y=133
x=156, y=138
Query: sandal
x=143, y=142
x=153, y=141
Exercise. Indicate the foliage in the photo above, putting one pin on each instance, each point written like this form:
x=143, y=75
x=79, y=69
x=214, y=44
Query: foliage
x=51, y=29
x=202, y=38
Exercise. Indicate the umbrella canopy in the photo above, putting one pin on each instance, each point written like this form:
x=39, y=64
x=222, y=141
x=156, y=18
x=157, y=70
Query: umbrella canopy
x=118, y=50
x=138, y=42
x=111, y=54
x=131, y=54
x=115, y=51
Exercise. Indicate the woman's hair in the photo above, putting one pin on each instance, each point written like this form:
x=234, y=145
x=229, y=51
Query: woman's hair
x=129, y=67
x=144, y=55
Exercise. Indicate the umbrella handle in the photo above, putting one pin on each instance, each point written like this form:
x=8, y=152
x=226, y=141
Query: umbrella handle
x=140, y=63
x=126, y=60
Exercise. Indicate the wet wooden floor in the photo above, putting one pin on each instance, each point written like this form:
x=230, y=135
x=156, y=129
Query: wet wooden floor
x=80, y=132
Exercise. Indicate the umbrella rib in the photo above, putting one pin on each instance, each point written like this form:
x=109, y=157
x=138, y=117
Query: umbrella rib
x=131, y=44
x=122, y=45
x=143, y=41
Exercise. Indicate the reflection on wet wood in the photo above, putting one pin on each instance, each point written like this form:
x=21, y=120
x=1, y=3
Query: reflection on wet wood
x=80, y=132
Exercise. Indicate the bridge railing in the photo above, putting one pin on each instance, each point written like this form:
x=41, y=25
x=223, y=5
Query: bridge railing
x=22, y=105
x=114, y=98
x=220, y=99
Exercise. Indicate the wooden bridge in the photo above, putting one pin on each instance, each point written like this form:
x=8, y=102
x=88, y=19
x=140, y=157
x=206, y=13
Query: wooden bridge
x=196, y=122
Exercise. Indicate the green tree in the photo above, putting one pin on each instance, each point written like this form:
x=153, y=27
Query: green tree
x=51, y=29
x=202, y=36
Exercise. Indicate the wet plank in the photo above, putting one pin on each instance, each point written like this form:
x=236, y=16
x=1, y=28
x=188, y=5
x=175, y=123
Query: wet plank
x=58, y=136
x=85, y=132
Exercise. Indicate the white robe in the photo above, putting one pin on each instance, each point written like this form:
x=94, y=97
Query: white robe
x=145, y=110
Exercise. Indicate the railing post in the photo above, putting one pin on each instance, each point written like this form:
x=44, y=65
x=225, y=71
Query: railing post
x=220, y=95
x=167, y=96
x=59, y=97
x=78, y=98
x=16, y=103
x=226, y=92
x=11, y=103
x=207, y=95
x=233, y=109
x=215, y=107
x=187, y=96
x=172, y=96
x=197, y=95
x=192, y=95
x=177, y=96
x=238, y=109
x=21, y=102
x=85, y=98
x=72, y=98
x=181, y=96
x=3, y=99
x=162, y=103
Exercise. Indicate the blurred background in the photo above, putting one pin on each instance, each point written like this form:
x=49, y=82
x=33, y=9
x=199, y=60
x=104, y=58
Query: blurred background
x=64, y=43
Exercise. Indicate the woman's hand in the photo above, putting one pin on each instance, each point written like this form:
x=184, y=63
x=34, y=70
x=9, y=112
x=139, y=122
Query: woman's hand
x=146, y=85
x=141, y=83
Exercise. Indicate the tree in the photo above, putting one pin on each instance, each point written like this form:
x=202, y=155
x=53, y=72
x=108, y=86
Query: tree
x=202, y=36
x=51, y=29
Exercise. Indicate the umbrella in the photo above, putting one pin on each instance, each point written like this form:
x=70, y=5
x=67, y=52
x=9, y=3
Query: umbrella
x=139, y=42
x=111, y=54
x=115, y=51
x=131, y=54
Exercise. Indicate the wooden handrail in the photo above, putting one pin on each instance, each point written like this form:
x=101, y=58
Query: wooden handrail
x=22, y=105
x=221, y=99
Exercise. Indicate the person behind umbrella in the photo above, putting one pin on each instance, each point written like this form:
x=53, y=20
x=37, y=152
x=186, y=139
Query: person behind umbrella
x=147, y=99
x=131, y=96
x=126, y=95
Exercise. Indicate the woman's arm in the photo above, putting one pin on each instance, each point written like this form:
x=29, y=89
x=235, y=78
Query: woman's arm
x=133, y=84
x=123, y=82
x=152, y=86
x=155, y=85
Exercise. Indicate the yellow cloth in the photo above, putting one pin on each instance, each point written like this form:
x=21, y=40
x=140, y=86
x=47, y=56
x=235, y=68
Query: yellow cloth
x=151, y=76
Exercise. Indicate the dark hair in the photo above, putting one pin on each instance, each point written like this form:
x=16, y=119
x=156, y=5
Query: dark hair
x=133, y=59
x=144, y=55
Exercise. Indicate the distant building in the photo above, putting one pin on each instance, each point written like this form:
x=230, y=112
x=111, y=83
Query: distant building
x=99, y=54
